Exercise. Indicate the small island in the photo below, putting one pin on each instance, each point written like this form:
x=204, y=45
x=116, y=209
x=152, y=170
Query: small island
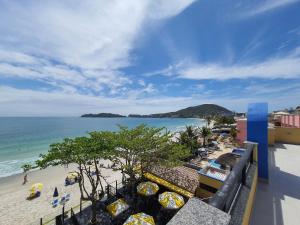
x=103, y=115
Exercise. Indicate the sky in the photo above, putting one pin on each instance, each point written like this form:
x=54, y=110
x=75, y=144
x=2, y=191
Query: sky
x=67, y=58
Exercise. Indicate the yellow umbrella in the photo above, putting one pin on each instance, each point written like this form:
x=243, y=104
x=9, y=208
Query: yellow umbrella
x=117, y=207
x=140, y=219
x=147, y=188
x=36, y=187
x=171, y=200
x=72, y=175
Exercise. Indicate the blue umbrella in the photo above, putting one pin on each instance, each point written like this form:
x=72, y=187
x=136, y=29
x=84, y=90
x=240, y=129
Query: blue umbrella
x=55, y=194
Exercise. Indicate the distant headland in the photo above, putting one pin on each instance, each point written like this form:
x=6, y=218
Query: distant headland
x=104, y=115
x=200, y=111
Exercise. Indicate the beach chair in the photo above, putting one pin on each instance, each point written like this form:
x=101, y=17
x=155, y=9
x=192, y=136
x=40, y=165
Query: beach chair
x=63, y=200
x=55, y=203
x=67, y=197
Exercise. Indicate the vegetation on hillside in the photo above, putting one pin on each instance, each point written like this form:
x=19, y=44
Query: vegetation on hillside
x=200, y=111
x=104, y=115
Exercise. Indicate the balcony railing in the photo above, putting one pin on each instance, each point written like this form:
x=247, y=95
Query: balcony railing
x=225, y=197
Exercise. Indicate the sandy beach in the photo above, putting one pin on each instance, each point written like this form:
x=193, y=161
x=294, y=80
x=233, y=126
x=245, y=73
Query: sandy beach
x=15, y=209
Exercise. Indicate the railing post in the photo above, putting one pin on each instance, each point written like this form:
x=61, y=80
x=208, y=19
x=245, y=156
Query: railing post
x=63, y=214
x=80, y=207
x=41, y=221
x=107, y=191
x=244, y=175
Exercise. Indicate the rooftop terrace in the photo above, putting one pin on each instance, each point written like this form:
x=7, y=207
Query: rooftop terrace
x=278, y=202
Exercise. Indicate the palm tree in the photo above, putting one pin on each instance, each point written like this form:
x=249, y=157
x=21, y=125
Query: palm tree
x=208, y=120
x=205, y=133
x=189, y=138
x=233, y=132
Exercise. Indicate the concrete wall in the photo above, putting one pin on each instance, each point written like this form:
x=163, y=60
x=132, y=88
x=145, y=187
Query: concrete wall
x=250, y=200
x=289, y=135
x=241, y=126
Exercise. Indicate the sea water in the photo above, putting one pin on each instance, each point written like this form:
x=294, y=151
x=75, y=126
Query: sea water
x=23, y=139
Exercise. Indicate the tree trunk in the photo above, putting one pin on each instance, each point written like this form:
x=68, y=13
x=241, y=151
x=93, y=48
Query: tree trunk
x=94, y=212
x=80, y=188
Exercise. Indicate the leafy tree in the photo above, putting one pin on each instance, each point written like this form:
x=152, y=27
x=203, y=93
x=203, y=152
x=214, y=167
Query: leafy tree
x=205, y=133
x=225, y=120
x=189, y=138
x=85, y=152
x=142, y=147
x=233, y=132
x=208, y=120
x=26, y=167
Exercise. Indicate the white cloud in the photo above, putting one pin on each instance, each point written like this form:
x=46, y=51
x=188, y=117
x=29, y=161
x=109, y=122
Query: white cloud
x=168, y=8
x=142, y=83
x=284, y=67
x=268, y=5
x=76, y=43
x=22, y=102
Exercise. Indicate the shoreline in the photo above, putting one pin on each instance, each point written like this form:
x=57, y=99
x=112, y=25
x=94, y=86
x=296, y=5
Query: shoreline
x=13, y=194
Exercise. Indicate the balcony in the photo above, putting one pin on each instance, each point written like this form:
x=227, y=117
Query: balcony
x=278, y=201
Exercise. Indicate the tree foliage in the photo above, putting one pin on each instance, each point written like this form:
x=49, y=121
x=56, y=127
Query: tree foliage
x=85, y=152
x=189, y=138
x=26, y=167
x=233, y=132
x=205, y=133
x=131, y=151
x=224, y=120
x=141, y=147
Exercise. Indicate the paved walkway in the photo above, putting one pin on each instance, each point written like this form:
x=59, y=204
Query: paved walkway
x=278, y=202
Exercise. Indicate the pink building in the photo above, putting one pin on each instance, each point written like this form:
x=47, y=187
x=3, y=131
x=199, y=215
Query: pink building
x=241, y=126
x=290, y=121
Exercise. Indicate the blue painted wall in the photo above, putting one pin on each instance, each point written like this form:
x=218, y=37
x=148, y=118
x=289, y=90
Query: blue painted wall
x=257, y=131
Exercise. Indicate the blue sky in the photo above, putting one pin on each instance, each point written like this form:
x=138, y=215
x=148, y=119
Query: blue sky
x=65, y=58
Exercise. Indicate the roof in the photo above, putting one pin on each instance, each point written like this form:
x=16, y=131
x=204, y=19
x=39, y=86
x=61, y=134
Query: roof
x=281, y=113
x=181, y=176
x=168, y=185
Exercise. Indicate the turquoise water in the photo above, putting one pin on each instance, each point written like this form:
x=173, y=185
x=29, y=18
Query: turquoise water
x=23, y=139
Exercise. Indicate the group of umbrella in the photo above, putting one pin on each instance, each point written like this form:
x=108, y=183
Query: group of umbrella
x=168, y=200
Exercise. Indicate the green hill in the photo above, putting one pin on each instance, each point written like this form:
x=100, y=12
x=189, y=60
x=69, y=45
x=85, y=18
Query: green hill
x=190, y=112
x=103, y=115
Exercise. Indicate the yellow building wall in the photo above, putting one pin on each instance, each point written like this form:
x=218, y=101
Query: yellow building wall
x=288, y=135
x=271, y=136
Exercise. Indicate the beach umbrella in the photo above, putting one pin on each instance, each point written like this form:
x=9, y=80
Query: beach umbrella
x=72, y=175
x=55, y=194
x=140, y=219
x=117, y=207
x=171, y=200
x=36, y=187
x=147, y=188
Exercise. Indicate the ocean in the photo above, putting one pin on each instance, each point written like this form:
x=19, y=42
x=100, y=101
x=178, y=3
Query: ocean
x=23, y=139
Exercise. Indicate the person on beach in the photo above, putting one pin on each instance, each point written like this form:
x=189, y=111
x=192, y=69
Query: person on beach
x=25, y=179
